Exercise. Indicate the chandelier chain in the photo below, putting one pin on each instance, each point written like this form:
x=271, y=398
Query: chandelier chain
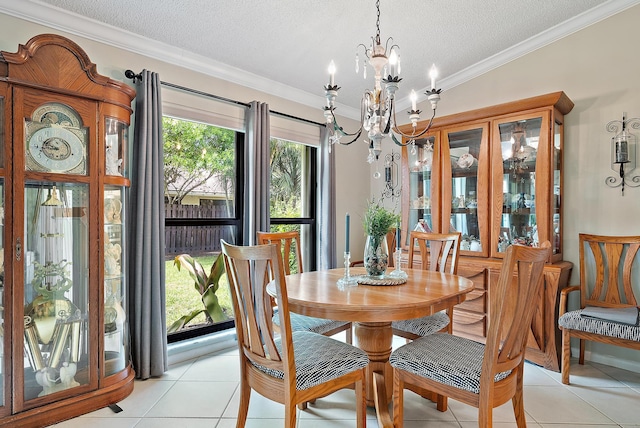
x=378, y=22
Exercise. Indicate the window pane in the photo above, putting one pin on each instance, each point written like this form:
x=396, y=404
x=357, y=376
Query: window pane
x=199, y=166
x=200, y=210
x=289, y=179
x=292, y=195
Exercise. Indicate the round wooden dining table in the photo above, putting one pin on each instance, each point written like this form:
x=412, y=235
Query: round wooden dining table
x=372, y=308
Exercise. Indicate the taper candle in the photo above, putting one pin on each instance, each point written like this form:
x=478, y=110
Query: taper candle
x=346, y=225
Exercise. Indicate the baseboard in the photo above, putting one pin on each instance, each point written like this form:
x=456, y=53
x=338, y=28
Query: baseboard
x=608, y=360
x=193, y=348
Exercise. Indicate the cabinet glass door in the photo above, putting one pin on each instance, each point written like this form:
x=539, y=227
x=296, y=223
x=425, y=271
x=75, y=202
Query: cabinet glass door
x=56, y=293
x=465, y=164
x=2, y=237
x=556, y=243
x=115, y=340
x=519, y=146
x=2, y=296
x=420, y=163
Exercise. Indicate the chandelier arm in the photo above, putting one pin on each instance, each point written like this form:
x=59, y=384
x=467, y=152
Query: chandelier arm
x=366, y=49
x=414, y=134
x=355, y=136
x=340, y=129
x=388, y=48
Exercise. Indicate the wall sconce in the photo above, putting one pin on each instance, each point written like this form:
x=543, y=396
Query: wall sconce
x=623, y=153
x=392, y=187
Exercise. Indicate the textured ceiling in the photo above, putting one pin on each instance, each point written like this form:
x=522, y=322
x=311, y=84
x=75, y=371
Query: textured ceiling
x=293, y=41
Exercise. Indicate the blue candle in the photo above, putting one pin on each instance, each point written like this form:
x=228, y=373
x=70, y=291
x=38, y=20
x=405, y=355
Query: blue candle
x=346, y=222
x=398, y=236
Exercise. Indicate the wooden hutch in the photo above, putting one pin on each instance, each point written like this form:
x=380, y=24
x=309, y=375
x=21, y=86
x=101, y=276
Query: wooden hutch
x=495, y=175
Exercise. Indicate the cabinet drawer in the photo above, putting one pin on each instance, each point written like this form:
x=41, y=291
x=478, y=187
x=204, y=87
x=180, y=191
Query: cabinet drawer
x=479, y=278
x=475, y=302
x=467, y=323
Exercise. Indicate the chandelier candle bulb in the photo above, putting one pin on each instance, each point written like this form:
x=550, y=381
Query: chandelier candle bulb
x=332, y=73
x=393, y=61
x=433, y=73
x=414, y=98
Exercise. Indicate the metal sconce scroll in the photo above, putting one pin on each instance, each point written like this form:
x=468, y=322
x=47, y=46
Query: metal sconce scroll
x=623, y=153
x=392, y=186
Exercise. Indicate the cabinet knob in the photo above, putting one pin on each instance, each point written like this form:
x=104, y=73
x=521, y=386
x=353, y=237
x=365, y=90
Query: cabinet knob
x=18, y=249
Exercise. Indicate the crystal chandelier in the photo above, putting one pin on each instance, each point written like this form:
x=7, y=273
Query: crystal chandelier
x=377, y=108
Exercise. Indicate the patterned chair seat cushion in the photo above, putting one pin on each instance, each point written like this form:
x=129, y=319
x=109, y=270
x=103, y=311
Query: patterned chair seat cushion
x=573, y=320
x=444, y=358
x=423, y=326
x=319, y=359
x=305, y=323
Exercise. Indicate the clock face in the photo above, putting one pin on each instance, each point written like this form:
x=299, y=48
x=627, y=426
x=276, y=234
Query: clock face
x=55, y=140
x=56, y=149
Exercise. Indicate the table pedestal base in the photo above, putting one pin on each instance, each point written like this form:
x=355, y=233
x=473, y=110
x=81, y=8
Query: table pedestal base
x=375, y=339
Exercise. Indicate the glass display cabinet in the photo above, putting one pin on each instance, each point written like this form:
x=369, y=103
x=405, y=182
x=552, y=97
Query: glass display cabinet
x=465, y=183
x=419, y=161
x=65, y=346
x=495, y=176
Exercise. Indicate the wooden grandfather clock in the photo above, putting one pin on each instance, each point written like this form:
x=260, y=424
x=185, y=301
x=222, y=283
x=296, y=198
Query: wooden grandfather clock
x=64, y=344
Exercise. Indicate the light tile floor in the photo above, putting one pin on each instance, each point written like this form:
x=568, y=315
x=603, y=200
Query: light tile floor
x=204, y=393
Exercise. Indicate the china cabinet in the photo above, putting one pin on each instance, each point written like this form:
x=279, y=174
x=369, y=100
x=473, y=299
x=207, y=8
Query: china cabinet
x=495, y=175
x=63, y=174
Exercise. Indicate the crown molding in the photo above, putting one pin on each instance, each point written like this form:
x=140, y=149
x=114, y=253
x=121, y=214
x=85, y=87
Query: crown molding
x=45, y=14
x=538, y=41
x=69, y=22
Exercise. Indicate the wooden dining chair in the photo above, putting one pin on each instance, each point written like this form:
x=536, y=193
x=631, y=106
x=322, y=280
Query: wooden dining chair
x=483, y=376
x=439, y=252
x=289, y=367
x=288, y=243
x=608, y=306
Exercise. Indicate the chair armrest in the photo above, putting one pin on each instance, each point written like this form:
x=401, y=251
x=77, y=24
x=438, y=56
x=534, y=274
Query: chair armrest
x=357, y=263
x=563, y=297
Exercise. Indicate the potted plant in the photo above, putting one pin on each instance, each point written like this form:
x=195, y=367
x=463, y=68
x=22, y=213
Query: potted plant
x=377, y=222
x=205, y=284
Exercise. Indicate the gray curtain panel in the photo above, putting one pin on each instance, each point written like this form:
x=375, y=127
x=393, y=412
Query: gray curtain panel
x=327, y=257
x=258, y=177
x=146, y=304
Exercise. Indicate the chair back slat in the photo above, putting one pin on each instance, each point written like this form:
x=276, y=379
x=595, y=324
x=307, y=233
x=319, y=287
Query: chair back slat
x=606, y=265
x=512, y=307
x=627, y=266
x=285, y=241
x=437, y=250
x=250, y=270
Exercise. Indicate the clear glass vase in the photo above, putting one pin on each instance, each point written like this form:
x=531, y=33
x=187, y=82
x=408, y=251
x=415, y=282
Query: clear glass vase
x=376, y=255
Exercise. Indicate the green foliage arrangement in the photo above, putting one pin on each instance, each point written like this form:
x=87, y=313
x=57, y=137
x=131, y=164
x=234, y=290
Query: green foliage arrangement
x=378, y=220
x=205, y=284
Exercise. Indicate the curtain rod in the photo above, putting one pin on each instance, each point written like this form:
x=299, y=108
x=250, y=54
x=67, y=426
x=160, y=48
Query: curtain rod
x=131, y=75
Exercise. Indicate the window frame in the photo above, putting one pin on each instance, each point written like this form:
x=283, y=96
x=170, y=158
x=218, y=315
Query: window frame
x=236, y=221
x=311, y=153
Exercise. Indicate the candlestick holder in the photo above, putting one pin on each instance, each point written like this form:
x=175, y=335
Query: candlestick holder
x=398, y=272
x=347, y=280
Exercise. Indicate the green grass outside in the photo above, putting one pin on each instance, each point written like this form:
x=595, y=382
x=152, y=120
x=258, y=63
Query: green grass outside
x=182, y=296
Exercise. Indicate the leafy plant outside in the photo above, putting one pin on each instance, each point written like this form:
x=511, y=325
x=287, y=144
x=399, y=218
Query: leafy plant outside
x=212, y=287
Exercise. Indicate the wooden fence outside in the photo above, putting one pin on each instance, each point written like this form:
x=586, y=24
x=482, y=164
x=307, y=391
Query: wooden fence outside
x=195, y=239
